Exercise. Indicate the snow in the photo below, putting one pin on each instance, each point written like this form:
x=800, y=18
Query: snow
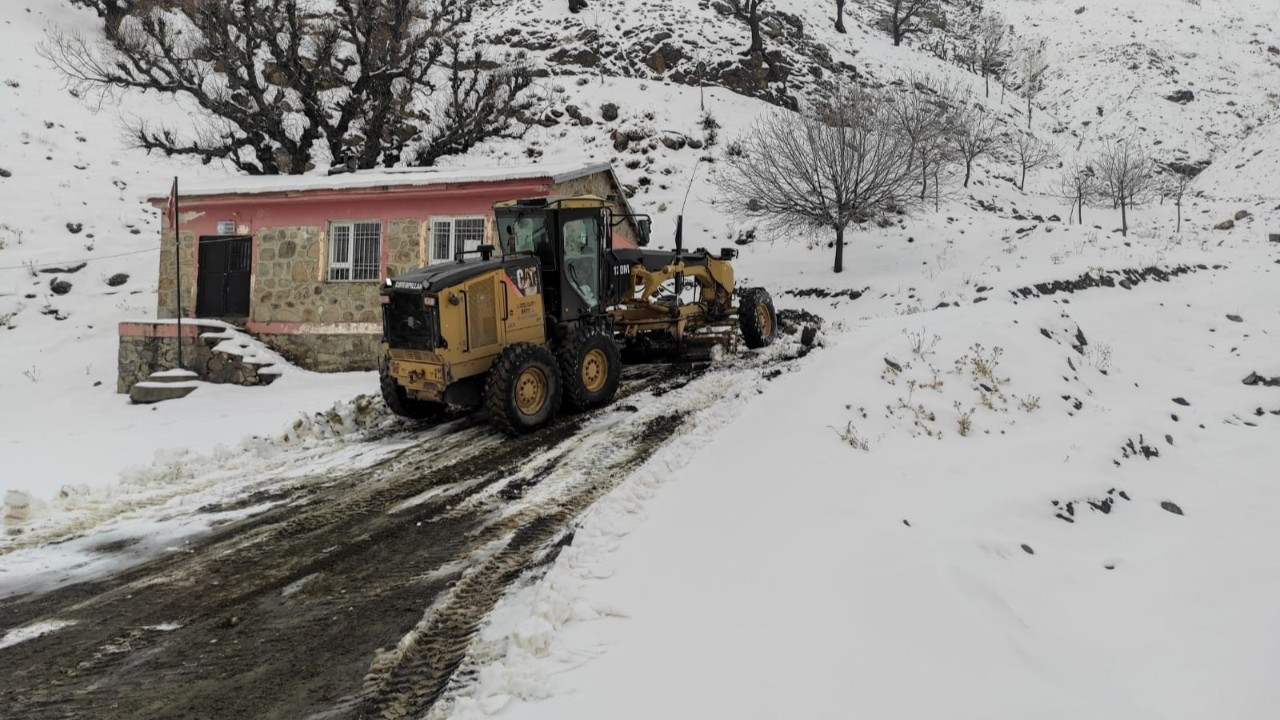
x=845, y=539
x=35, y=630
x=397, y=177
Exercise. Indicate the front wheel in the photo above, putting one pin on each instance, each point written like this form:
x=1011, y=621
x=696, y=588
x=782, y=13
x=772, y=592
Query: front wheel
x=590, y=365
x=522, y=392
x=757, y=319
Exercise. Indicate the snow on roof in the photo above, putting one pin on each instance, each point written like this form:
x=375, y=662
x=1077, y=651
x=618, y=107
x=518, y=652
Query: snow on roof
x=396, y=177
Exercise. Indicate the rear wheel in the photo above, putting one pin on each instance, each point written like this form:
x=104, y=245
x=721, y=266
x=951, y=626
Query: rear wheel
x=396, y=398
x=523, y=389
x=590, y=365
x=757, y=319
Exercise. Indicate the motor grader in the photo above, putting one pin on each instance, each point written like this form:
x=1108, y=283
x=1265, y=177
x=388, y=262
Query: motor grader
x=546, y=314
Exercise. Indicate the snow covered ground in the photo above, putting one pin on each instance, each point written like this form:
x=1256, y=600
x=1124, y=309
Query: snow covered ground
x=979, y=499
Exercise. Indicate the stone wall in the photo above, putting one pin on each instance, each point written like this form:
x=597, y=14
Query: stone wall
x=141, y=355
x=291, y=284
x=167, y=295
x=600, y=185
x=334, y=352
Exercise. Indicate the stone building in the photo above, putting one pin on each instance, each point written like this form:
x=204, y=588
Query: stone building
x=297, y=260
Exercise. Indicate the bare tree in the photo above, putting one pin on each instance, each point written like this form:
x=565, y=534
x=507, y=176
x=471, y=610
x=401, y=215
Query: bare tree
x=838, y=166
x=1126, y=176
x=973, y=135
x=991, y=45
x=924, y=109
x=840, y=17
x=279, y=87
x=1033, y=61
x=906, y=17
x=1176, y=183
x=1030, y=152
x=1077, y=183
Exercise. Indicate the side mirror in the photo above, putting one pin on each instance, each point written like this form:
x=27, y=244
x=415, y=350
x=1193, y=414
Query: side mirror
x=644, y=224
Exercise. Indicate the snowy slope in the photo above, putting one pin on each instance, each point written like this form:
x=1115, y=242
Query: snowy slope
x=848, y=540
x=1247, y=171
x=67, y=163
x=1114, y=65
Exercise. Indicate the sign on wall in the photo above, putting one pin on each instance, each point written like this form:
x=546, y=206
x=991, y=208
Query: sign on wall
x=226, y=227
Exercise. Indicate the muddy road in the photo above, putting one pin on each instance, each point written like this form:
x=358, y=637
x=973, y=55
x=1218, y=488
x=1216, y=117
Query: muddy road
x=349, y=594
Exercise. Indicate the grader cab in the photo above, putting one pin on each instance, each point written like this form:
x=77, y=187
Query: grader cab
x=546, y=316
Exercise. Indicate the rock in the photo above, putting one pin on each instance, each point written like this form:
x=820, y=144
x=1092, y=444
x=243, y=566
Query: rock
x=1241, y=214
x=69, y=269
x=1182, y=97
x=1181, y=401
x=75, y=228
x=674, y=143
x=1225, y=225
x=808, y=335
x=1256, y=379
x=5, y=173
x=1027, y=549
x=574, y=111
x=59, y=287
x=1171, y=507
x=696, y=144
x=893, y=365
x=118, y=279
x=609, y=111
x=1235, y=318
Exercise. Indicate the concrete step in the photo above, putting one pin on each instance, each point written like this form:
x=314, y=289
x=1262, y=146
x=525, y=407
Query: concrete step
x=154, y=392
x=173, y=376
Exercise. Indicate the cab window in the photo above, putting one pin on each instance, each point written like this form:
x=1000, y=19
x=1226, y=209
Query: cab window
x=526, y=234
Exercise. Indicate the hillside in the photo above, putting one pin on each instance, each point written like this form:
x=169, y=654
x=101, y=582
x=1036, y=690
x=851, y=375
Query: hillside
x=1026, y=470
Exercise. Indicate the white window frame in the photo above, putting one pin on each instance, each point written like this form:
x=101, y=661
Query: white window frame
x=452, y=222
x=331, y=254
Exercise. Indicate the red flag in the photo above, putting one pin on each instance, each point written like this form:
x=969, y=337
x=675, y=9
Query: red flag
x=172, y=210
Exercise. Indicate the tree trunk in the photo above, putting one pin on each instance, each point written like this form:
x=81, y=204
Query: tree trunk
x=1028, y=108
x=1124, y=218
x=839, y=249
x=1179, y=215
x=1023, y=185
x=986, y=77
x=757, y=42
x=840, y=16
x=924, y=180
x=968, y=168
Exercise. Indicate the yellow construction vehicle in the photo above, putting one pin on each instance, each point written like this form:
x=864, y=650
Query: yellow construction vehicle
x=546, y=315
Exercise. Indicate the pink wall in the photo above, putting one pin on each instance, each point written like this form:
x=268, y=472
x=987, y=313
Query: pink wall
x=315, y=208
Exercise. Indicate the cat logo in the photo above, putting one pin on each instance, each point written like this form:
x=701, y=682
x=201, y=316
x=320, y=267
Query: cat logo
x=525, y=281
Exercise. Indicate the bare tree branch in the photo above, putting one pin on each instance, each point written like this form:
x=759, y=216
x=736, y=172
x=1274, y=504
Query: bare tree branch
x=831, y=167
x=280, y=87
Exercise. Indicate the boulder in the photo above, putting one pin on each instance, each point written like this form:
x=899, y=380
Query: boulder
x=1182, y=97
x=1242, y=214
x=609, y=111
x=1225, y=225
x=118, y=279
x=59, y=287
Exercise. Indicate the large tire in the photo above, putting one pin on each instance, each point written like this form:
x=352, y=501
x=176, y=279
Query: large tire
x=522, y=392
x=590, y=367
x=757, y=319
x=399, y=401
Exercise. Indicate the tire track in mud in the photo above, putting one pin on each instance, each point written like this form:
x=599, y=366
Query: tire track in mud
x=280, y=614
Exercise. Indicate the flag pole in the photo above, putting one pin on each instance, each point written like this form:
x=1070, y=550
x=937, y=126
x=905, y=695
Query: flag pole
x=177, y=262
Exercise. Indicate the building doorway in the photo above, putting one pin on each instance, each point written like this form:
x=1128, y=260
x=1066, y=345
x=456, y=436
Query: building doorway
x=222, y=277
